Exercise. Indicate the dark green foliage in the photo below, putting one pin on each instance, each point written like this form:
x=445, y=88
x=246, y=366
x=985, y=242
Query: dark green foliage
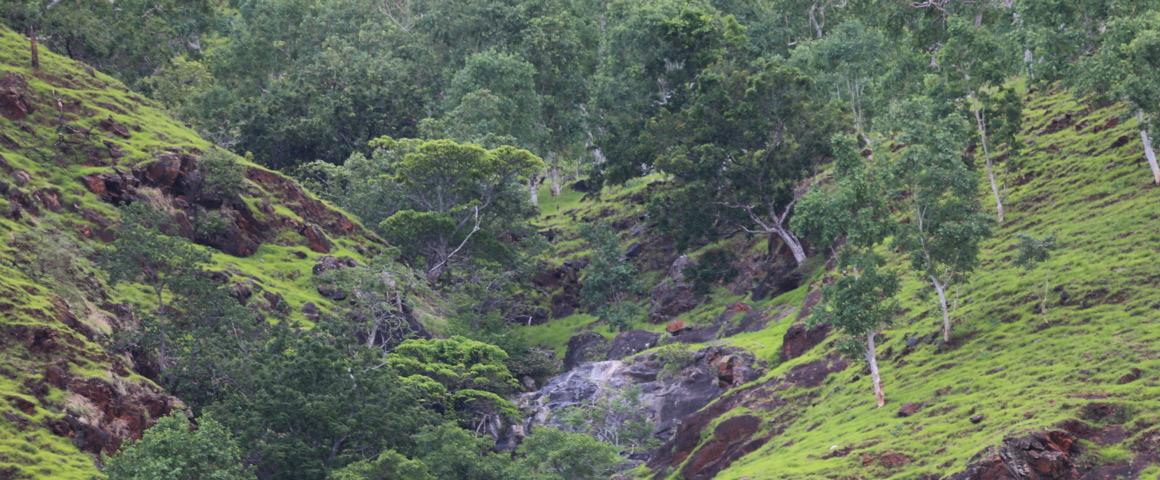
x=1033, y=251
x=224, y=177
x=609, y=280
x=713, y=267
x=550, y=454
x=452, y=452
x=305, y=405
x=389, y=465
x=173, y=449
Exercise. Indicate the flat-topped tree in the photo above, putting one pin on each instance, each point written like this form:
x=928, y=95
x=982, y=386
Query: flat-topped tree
x=860, y=301
x=944, y=221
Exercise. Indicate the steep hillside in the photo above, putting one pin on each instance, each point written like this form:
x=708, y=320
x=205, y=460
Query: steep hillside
x=74, y=144
x=1067, y=391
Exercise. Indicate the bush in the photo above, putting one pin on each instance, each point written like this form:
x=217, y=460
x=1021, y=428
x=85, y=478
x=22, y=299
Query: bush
x=224, y=176
x=174, y=451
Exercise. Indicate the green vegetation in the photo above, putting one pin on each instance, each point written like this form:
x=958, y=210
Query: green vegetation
x=174, y=449
x=501, y=181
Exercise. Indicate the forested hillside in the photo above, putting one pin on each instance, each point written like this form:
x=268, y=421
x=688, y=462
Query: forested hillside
x=579, y=239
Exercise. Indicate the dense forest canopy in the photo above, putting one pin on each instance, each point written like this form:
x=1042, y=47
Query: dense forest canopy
x=844, y=130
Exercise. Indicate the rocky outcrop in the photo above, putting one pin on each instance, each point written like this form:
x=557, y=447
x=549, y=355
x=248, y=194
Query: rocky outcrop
x=1047, y=455
x=800, y=339
x=14, y=98
x=674, y=295
x=563, y=283
x=709, y=452
x=632, y=342
x=585, y=347
x=667, y=397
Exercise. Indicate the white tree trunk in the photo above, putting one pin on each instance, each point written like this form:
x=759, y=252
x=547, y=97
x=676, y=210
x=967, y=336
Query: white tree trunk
x=534, y=190
x=872, y=359
x=1148, y=152
x=554, y=174
x=942, y=301
x=987, y=157
x=791, y=240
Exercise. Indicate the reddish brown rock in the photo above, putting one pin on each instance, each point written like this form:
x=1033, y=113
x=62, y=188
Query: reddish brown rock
x=14, y=98
x=731, y=440
x=799, y=339
x=1035, y=456
x=316, y=239
x=908, y=409
x=111, y=126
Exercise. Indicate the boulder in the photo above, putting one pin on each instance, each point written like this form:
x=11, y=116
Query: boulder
x=674, y=295
x=109, y=125
x=14, y=99
x=585, y=347
x=908, y=409
x=799, y=339
x=1046, y=455
x=316, y=239
x=632, y=342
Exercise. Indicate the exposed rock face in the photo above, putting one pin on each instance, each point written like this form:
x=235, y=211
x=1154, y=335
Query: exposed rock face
x=674, y=295
x=726, y=443
x=667, y=398
x=14, y=102
x=631, y=343
x=585, y=347
x=565, y=282
x=1035, y=456
x=800, y=339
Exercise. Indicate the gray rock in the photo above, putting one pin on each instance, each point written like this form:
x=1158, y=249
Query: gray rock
x=631, y=343
x=585, y=347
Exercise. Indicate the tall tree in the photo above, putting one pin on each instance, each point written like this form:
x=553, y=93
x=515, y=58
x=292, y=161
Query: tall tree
x=944, y=220
x=860, y=301
x=176, y=450
x=1124, y=69
x=969, y=71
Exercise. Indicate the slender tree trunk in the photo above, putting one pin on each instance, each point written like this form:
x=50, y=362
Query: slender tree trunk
x=942, y=301
x=34, y=46
x=554, y=174
x=1148, y=152
x=982, y=124
x=872, y=359
x=791, y=241
x=534, y=190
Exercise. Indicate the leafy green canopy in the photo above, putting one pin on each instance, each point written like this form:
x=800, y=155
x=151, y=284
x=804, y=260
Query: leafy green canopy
x=173, y=449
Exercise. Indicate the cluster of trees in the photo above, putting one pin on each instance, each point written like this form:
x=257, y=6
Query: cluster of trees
x=435, y=122
x=273, y=400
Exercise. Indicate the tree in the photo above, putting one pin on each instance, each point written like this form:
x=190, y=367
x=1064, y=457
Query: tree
x=308, y=404
x=944, y=221
x=466, y=378
x=1033, y=251
x=970, y=72
x=608, y=281
x=550, y=454
x=860, y=301
x=452, y=452
x=1124, y=69
x=439, y=201
x=389, y=465
x=143, y=253
x=173, y=449
x=748, y=136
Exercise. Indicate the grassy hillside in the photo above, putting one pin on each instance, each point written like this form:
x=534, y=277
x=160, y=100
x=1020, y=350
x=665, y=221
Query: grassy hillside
x=1091, y=356
x=66, y=393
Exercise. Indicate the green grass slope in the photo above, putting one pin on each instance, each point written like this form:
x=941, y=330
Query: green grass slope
x=58, y=318
x=1081, y=178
